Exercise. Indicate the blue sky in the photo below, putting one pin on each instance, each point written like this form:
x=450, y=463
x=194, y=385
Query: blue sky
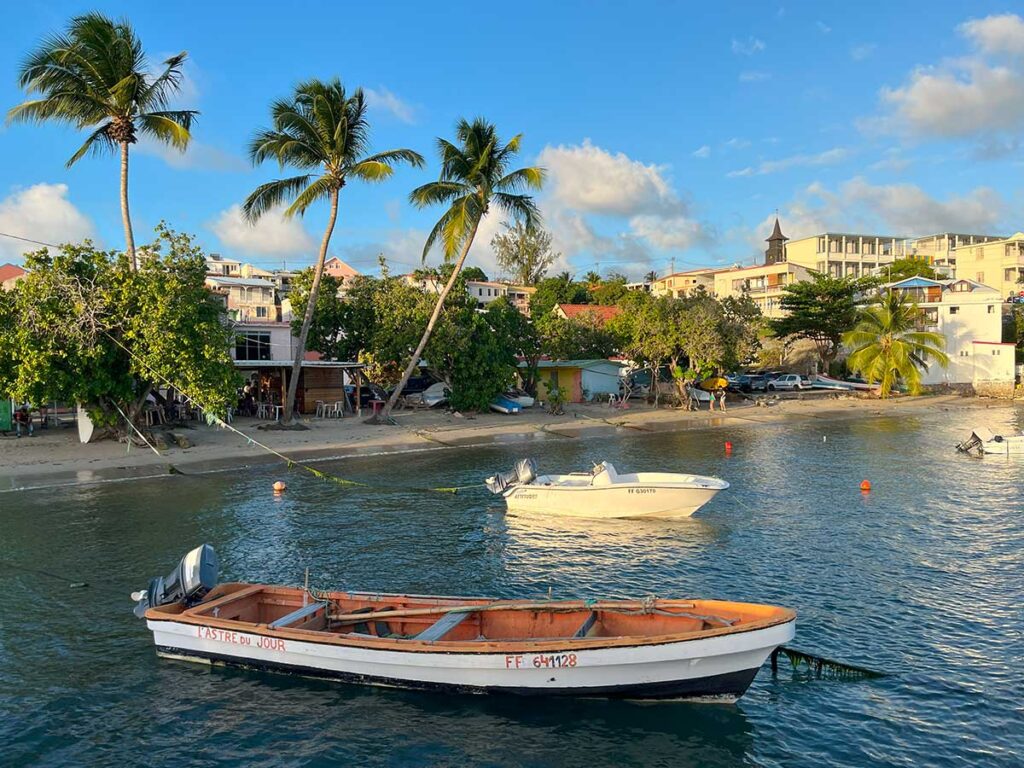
x=671, y=131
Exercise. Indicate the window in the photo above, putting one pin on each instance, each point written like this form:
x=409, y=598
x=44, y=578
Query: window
x=261, y=312
x=991, y=308
x=996, y=351
x=965, y=353
x=931, y=316
x=252, y=346
x=980, y=277
x=954, y=310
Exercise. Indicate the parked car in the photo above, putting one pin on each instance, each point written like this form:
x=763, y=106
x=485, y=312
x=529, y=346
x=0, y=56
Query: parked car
x=752, y=382
x=789, y=381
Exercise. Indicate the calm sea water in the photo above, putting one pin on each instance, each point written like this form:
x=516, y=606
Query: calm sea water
x=923, y=578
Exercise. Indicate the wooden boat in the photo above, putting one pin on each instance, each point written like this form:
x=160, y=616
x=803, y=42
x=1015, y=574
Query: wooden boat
x=603, y=492
x=983, y=440
x=649, y=649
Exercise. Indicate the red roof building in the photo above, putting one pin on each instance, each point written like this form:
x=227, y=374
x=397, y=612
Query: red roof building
x=9, y=275
x=576, y=311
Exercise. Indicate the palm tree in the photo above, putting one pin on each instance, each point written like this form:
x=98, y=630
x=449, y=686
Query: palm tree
x=889, y=347
x=651, y=277
x=95, y=75
x=474, y=174
x=592, y=278
x=323, y=130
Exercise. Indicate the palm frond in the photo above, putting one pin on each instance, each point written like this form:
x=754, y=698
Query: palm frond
x=393, y=157
x=519, y=207
x=157, y=93
x=437, y=192
x=318, y=190
x=272, y=195
x=370, y=170
x=169, y=127
x=97, y=142
x=522, y=179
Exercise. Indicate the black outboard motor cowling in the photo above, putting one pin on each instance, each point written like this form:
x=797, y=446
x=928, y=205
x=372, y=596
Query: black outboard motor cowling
x=523, y=473
x=187, y=584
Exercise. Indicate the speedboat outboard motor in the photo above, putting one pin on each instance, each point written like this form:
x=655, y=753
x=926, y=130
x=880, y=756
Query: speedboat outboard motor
x=523, y=473
x=187, y=584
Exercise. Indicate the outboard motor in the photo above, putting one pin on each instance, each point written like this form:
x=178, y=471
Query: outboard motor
x=523, y=473
x=187, y=584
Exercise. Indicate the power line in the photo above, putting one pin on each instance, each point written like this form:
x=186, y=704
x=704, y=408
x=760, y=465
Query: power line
x=28, y=240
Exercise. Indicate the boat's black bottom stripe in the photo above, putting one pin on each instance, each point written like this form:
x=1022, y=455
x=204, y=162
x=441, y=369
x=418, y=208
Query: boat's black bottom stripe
x=731, y=684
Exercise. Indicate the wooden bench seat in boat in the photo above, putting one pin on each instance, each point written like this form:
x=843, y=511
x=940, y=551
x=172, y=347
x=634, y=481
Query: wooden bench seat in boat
x=297, y=615
x=588, y=626
x=442, y=626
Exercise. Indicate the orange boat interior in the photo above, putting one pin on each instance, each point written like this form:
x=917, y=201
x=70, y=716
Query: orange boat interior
x=359, y=616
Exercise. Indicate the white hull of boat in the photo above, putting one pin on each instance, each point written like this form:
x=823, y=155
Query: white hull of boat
x=626, y=500
x=827, y=382
x=715, y=667
x=984, y=440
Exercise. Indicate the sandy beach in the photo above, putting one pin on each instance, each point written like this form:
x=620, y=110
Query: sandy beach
x=55, y=457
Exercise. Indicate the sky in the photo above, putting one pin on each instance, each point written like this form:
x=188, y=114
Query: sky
x=671, y=132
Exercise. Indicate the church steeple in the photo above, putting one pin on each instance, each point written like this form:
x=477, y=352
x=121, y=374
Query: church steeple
x=776, y=251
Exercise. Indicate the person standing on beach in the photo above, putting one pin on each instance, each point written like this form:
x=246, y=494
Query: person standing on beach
x=721, y=399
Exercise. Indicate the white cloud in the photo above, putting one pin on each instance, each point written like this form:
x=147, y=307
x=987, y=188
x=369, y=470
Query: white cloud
x=862, y=51
x=673, y=233
x=198, y=156
x=823, y=27
x=593, y=180
x=386, y=101
x=974, y=96
x=736, y=143
x=272, y=235
x=703, y=152
x=892, y=209
x=828, y=157
x=747, y=47
x=892, y=161
x=754, y=77
x=41, y=212
x=996, y=34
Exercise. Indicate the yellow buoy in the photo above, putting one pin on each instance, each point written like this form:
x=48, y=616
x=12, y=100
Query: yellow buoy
x=279, y=487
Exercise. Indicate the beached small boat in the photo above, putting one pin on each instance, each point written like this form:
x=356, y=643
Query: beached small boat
x=505, y=404
x=603, y=492
x=713, y=384
x=827, y=382
x=983, y=440
x=522, y=398
x=639, y=649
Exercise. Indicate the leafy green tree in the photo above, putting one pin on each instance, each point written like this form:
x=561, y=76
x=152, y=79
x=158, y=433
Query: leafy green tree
x=887, y=346
x=323, y=130
x=523, y=337
x=83, y=326
x=611, y=291
x=95, y=76
x=742, y=326
x=474, y=175
x=474, y=273
x=821, y=309
x=558, y=290
x=524, y=253
x=585, y=337
x=330, y=316
x=648, y=330
x=903, y=268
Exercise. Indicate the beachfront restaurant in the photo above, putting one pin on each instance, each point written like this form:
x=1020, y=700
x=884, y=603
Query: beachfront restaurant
x=264, y=355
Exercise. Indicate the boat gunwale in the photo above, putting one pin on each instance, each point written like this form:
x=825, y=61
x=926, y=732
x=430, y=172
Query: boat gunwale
x=474, y=647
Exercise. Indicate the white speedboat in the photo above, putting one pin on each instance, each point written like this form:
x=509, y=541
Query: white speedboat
x=603, y=492
x=983, y=440
x=637, y=649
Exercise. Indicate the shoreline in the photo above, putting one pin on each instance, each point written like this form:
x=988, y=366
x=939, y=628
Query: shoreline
x=55, y=458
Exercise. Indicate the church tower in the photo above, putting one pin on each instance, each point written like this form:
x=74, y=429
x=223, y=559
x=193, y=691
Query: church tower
x=776, y=245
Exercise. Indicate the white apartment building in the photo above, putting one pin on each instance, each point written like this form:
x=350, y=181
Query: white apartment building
x=969, y=316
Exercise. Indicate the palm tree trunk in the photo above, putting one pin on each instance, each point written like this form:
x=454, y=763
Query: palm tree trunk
x=307, y=319
x=129, y=238
x=385, y=415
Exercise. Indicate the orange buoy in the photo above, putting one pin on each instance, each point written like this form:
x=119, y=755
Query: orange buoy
x=865, y=485
x=279, y=487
